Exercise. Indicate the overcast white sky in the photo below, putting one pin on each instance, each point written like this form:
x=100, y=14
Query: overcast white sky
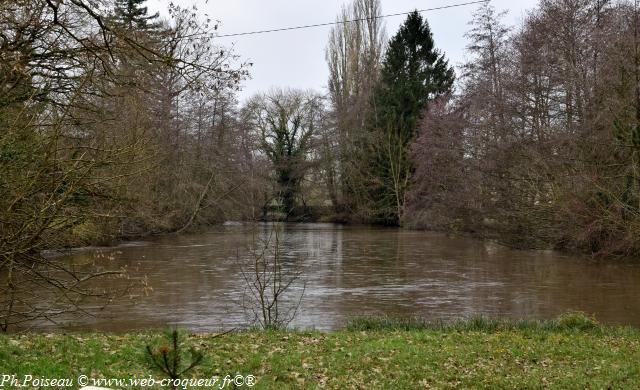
x=296, y=58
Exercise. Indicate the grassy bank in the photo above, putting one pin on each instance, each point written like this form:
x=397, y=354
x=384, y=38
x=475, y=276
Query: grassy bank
x=571, y=352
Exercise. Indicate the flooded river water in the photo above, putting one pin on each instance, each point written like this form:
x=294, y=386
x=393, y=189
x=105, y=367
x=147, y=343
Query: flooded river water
x=196, y=280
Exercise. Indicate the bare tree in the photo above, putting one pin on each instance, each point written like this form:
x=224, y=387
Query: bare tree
x=443, y=188
x=287, y=122
x=353, y=54
x=270, y=280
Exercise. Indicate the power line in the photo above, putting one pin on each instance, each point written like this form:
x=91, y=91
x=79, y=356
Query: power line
x=350, y=21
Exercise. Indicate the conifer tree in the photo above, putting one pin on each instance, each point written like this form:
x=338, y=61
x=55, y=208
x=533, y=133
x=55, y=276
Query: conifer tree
x=413, y=74
x=132, y=15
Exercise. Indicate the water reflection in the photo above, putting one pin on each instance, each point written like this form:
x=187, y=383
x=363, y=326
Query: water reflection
x=352, y=271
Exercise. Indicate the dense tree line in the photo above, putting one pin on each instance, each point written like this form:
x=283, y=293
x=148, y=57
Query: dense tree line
x=113, y=123
x=539, y=148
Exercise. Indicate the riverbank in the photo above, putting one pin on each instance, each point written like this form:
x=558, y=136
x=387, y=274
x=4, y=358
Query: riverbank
x=89, y=237
x=571, y=352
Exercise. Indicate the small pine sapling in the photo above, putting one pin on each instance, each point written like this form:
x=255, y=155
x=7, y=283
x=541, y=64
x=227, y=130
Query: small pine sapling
x=171, y=358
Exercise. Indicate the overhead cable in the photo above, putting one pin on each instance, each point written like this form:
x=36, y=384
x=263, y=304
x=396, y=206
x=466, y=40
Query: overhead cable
x=349, y=21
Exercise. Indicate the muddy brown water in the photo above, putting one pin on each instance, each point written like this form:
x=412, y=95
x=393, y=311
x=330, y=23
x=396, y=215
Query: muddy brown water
x=197, y=282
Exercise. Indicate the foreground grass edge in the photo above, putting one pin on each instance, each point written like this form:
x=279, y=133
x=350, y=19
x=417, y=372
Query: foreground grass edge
x=571, y=351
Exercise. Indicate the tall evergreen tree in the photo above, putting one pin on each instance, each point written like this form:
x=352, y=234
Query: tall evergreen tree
x=413, y=74
x=132, y=15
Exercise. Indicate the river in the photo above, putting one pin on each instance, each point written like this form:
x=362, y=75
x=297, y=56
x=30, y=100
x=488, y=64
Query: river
x=196, y=280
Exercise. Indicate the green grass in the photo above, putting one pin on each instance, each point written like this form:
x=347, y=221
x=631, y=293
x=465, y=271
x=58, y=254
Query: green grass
x=572, y=351
x=568, y=321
